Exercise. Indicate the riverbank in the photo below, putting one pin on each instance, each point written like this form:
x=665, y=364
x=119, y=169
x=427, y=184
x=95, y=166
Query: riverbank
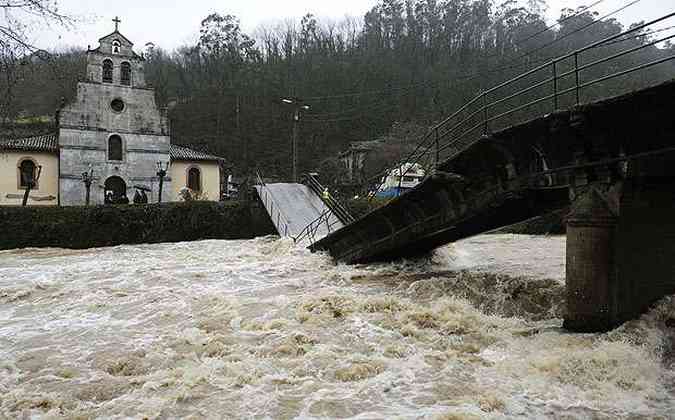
x=100, y=226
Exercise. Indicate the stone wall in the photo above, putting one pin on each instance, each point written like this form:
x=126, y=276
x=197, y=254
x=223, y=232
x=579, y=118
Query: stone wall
x=89, y=227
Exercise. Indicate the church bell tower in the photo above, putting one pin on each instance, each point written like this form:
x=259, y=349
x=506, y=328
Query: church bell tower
x=114, y=128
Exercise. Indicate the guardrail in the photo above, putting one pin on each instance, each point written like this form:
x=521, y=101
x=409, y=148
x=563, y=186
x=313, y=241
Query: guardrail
x=478, y=117
x=309, y=232
x=271, y=205
x=335, y=208
x=334, y=205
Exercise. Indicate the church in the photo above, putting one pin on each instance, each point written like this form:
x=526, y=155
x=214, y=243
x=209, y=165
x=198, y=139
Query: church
x=114, y=135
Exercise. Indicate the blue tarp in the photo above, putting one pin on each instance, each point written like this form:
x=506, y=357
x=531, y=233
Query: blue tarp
x=391, y=192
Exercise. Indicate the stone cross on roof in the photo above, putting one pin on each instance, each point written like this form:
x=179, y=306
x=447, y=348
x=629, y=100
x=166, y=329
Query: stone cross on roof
x=117, y=23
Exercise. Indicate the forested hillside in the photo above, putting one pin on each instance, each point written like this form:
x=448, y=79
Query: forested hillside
x=405, y=63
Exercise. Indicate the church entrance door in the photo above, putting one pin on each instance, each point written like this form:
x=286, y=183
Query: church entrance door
x=115, y=190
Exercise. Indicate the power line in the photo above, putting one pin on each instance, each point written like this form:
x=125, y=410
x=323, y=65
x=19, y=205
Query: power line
x=372, y=92
x=500, y=68
x=426, y=138
x=559, y=22
x=645, y=34
x=336, y=117
x=414, y=86
x=583, y=28
x=471, y=76
x=348, y=113
x=476, y=74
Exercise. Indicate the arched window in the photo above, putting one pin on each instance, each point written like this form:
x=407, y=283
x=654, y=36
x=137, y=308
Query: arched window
x=107, y=71
x=194, y=179
x=125, y=76
x=27, y=173
x=115, y=148
x=116, y=47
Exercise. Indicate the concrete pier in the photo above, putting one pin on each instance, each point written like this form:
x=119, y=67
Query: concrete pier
x=620, y=253
x=591, y=265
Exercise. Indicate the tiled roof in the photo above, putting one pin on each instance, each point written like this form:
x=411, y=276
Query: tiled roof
x=49, y=143
x=361, y=146
x=45, y=143
x=184, y=153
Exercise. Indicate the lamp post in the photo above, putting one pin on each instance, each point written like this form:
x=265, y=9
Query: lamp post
x=161, y=173
x=30, y=184
x=299, y=105
x=88, y=179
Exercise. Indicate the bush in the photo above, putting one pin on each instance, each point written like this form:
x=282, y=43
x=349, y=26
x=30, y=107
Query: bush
x=89, y=227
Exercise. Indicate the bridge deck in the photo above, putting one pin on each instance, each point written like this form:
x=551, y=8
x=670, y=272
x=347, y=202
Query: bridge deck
x=506, y=177
x=294, y=206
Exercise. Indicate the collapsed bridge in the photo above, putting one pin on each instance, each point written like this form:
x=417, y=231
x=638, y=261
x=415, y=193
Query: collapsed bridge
x=612, y=160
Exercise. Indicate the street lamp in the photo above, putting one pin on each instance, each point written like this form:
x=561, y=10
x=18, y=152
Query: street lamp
x=161, y=173
x=31, y=182
x=299, y=105
x=88, y=179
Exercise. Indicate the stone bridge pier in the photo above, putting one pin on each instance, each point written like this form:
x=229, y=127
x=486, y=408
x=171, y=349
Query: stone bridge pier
x=620, y=249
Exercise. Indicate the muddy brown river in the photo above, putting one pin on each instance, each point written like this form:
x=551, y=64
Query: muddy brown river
x=263, y=330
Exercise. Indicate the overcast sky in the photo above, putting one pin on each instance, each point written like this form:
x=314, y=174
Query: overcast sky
x=172, y=23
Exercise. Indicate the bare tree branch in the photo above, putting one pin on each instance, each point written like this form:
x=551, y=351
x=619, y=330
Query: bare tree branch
x=18, y=16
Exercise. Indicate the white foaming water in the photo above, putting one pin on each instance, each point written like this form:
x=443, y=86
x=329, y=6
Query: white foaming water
x=261, y=329
x=515, y=255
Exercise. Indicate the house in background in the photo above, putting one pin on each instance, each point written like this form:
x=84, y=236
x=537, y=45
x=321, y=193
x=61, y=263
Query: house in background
x=401, y=180
x=113, y=129
x=354, y=159
x=197, y=171
x=20, y=162
x=22, y=159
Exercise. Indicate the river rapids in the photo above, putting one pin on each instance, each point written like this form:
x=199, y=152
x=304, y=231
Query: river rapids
x=262, y=329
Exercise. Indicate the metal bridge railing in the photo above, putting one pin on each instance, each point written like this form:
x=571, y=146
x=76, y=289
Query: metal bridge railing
x=273, y=207
x=335, y=208
x=478, y=117
x=309, y=232
x=331, y=202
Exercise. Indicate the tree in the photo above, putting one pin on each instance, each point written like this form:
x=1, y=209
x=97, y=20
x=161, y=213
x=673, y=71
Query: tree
x=406, y=63
x=221, y=36
x=19, y=16
x=10, y=69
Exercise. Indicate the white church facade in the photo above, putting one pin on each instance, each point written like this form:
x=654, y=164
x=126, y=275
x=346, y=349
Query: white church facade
x=113, y=131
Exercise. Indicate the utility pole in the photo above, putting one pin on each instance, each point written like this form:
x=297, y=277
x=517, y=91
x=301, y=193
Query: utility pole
x=294, y=146
x=239, y=138
x=299, y=106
